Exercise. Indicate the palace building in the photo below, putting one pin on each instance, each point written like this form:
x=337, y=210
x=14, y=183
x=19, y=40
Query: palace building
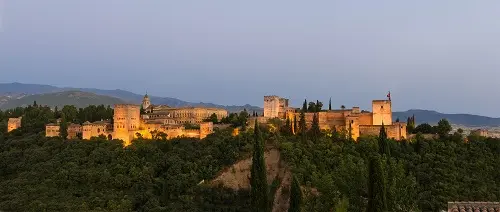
x=129, y=123
x=351, y=120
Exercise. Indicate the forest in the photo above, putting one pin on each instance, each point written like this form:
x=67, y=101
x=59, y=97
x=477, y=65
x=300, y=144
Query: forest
x=332, y=171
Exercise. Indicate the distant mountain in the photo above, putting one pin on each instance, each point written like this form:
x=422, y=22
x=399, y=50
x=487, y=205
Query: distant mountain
x=10, y=91
x=432, y=117
x=77, y=98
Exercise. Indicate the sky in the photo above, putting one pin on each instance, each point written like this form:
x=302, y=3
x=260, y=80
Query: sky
x=439, y=55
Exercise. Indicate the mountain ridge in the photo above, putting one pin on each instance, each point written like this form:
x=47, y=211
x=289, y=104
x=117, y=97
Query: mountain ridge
x=34, y=89
x=22, y=94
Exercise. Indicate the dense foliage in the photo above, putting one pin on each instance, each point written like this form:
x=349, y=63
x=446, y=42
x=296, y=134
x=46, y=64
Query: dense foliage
x=334, y=172
x=39, y=174
x=258, y=177
x=419, y=176
x=52, y=174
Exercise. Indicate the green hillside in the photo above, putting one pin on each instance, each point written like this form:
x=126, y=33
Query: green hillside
x=76, y=98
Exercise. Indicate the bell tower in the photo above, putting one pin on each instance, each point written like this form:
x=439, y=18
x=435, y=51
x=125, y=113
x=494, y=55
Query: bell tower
x=146, y=102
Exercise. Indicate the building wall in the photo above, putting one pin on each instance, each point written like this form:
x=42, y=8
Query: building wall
x=271, y=106
x=206, y=128
x=193, y=115
x=74, y=130
x=13, y=123
x=396, y=131
x=352, y=125
x=96, y=130
x=382, y=112
x=52, y=130
x=126, y=121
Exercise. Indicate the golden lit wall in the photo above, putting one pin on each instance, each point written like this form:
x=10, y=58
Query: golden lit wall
x=382, y=112
x=13, y=124
x=52, y=130
x=396, y=131
x=126, y=120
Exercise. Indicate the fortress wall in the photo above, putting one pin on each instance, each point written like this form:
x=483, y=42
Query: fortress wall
x=396, y=132
x=365, y=119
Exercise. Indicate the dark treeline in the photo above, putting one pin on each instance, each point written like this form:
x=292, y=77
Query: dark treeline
x=380, y=174
x=35, y=117
x=50, y=174
x=331, y=172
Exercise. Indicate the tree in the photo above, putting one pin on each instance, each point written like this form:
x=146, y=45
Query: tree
x=288, y=127
x=443, y=128
x=330, y=104
x=342, y=205
x=424, y=129
x=319, y=106
x=377, y=192
x=63, y=129
x=342, y=107
x=295, y=128
x=213, y=118
x=35, y=104
x=383, y=142
x=295, y=196
x=142, y=111
x=304, y=106
x=302, y=124
x=258, y=176
x=311, y=107
x=315, y=130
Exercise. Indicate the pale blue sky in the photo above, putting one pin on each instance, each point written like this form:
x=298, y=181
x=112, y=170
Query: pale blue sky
x=441, y=55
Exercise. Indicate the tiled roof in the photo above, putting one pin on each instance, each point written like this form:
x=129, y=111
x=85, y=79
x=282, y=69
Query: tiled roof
x=474, y=206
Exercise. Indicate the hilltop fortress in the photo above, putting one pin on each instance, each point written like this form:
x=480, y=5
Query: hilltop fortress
x=129, y=123
x=354, y=120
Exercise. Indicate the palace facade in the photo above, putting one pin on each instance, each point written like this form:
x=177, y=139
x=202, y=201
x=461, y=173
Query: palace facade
x=129, y=123
x=354, y=120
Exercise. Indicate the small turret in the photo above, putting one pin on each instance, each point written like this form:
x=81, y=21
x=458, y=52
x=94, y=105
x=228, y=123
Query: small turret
x=146, y=102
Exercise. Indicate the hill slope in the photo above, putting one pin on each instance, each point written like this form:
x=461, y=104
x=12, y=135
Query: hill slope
x=20, y=89
x=77, y=98
x=432, y=117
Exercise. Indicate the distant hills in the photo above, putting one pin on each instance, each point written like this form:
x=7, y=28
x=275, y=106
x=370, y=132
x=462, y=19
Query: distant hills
x=19, y=94
x=432, y=117
x=11, y=95
x=59, y=99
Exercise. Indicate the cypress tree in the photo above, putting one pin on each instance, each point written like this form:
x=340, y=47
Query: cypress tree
x=318, y=108
x=288, y=127
x=304, y=106
x=63, y=129
x=377, y=192
x=294, y=124
x=258, y=179
x=295, y=196
x=302, y=124
x=330, y=104
x=383, y=142
x=315, y=131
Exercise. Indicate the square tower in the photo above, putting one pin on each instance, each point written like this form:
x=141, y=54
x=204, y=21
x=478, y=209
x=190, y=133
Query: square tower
x=382, y=112
x=271, y=106
x=126, y=119
x=275, y=107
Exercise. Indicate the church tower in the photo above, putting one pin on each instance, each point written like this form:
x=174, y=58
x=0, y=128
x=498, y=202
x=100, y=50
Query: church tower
x=146, y=102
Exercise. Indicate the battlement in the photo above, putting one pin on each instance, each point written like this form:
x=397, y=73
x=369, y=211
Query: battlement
x=127, y=106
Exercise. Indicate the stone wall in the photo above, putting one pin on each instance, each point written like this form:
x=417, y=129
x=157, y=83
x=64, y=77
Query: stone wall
x=13, y=123
x=396, y=131
x=52, y=130
x=382, y=112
